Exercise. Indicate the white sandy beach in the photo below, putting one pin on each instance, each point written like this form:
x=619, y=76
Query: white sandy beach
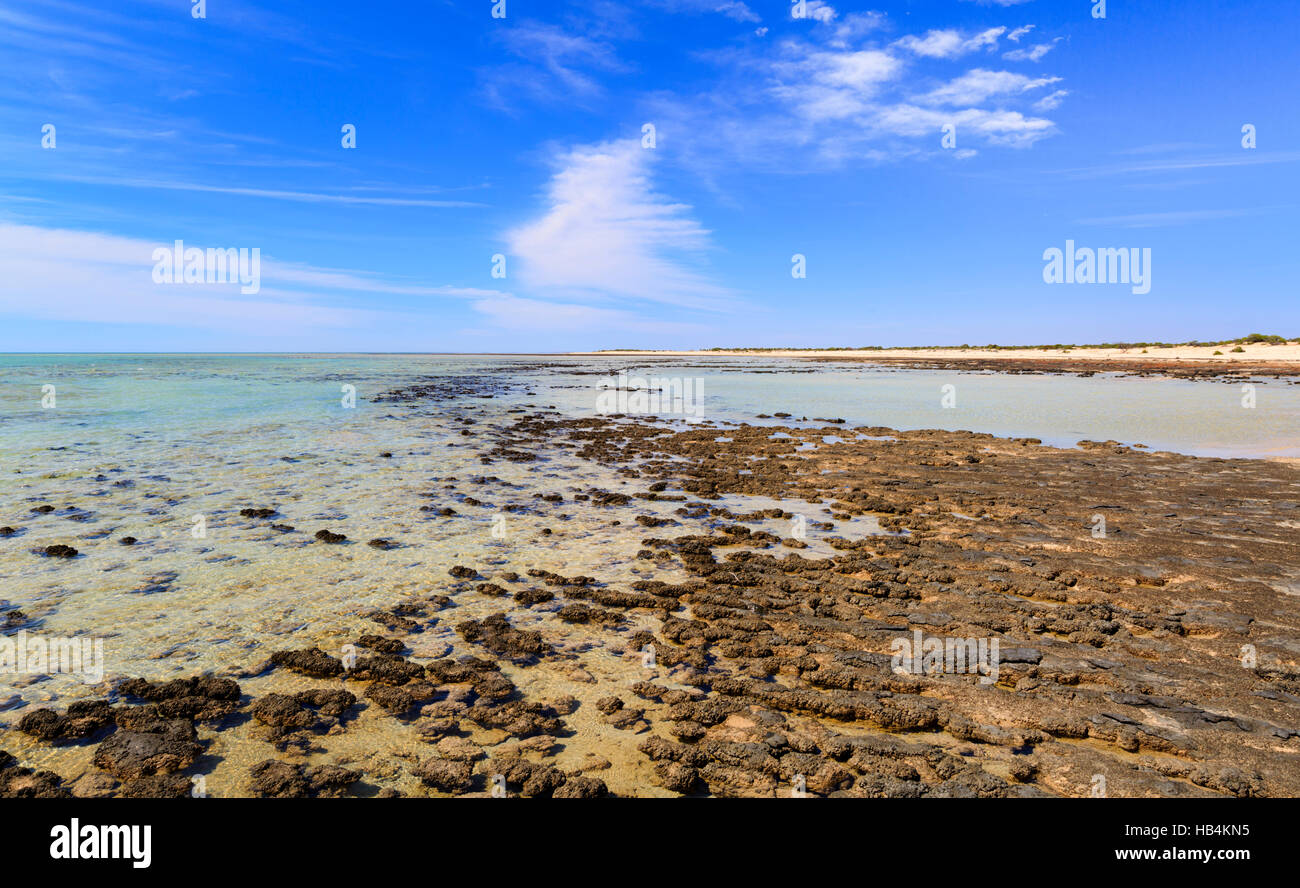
x=1252, y=353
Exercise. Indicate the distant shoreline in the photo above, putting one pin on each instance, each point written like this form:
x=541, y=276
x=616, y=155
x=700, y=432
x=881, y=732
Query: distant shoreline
x=1225, y=363
x=1223, y=352
x=1234, y=355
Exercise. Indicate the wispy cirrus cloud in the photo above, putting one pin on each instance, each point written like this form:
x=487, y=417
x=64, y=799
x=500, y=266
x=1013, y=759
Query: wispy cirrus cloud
x=817, y=11
x=841, y=94
x=828, y=84
x=269, y=193
x=554, y=64
x=840, y=88
x=1032, y=53
x=1181, y=164
x=84, y=276
x=607, y=233
x=1165, y=219
x=1051, y=101
x=997, y=127
x=736, y=10
x=981, y=84
x=853, y=27
x=949, y=43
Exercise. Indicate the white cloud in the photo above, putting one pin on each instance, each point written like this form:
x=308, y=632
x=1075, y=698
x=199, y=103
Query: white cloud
x=87, y=277
x=1015, y=35
x=841, y=97
x=826, y=85
x=738, y=11
x=1051, y=102
x=815, y=10
x=556, y=65
x=979, y=85
x=607, y=233
x=1031, y=54
x=949, y=43
x=935, y=44
x=1009, y=128
x=271, y=194
x=855, y=25
x=91, y=278
x=984, y=39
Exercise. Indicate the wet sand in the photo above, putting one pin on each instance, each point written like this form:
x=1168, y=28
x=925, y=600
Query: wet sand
x=731, y=632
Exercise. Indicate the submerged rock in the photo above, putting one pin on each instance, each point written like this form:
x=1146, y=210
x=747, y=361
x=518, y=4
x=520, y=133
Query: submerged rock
x=446, y=775
x=83, y=719
x=497, y=635
x=127, y=755
x=281, y=780
x=205, y=697
x=309, y=661
x=24, y=783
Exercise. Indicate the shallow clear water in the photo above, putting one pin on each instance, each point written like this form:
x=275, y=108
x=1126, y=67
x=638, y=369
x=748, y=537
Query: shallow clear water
x=166, y=400
x=1198, y=417
x=141, y=445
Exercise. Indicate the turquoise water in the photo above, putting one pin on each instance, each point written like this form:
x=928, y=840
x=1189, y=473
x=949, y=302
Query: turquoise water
x=144, y=445
x=164, y=402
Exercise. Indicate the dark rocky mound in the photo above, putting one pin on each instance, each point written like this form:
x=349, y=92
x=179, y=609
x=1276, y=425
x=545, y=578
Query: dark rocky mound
x=497, y=635
x=24, y=783
x=281, y=780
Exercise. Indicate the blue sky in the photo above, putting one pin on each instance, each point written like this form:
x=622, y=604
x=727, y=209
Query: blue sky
x=522, y=136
